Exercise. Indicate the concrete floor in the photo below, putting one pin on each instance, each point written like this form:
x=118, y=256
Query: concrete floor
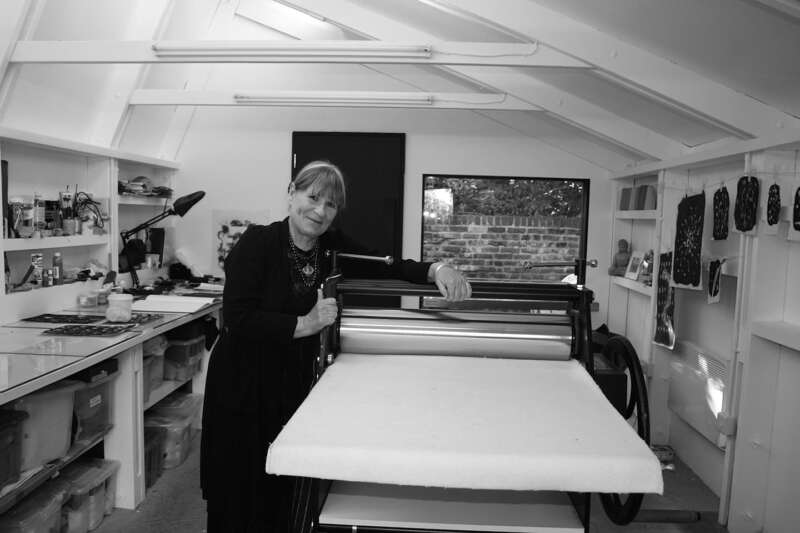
x=174, y=505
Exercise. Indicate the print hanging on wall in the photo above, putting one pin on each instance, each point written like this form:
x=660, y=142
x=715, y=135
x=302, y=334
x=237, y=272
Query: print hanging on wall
x=722, y=205
x=686, y=268
x=228, y=227
x=744, y=212
x=772, y=210
x=794, y=227
x=714, y=279
x=665, y=304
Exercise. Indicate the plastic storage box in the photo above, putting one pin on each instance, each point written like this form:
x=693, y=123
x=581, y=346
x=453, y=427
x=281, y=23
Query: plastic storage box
x=38, y=513
x=152, y=375
x=92, y=491
x=175, y=417
x=10, y=445
x=46, y=433
x=154, y=438
x=155, y=346
x=176, y=371
x=92, y=409
x=182, y=351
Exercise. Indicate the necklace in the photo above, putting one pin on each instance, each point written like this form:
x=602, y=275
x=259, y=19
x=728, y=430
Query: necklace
x=304, y=263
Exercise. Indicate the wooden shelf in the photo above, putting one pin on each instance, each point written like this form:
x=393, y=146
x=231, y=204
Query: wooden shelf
x=164, y=390
x=650, y=214
x=25, y=486
x=152, y=201
x=13, y=245
x=632, y=285
x=784, y=333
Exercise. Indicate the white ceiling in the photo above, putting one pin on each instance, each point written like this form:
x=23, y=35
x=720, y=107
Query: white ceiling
x=662, y=79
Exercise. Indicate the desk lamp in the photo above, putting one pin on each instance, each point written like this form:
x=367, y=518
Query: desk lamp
x=133, y=249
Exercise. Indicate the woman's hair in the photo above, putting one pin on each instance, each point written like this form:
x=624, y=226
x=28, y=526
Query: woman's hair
x=325, y=178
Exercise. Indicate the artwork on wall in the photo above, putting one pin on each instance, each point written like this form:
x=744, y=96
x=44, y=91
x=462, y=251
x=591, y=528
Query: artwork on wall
x=744, y=212
x=771, y=210
x=722, y=204
x=794, y=225
x=714, y=279
x=228, y=226
x=687, y=268
x=665, y=304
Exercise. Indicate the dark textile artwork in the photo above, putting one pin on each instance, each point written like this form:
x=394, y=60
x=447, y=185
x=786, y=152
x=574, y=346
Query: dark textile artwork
x=744, y=213
x=689, y=240
x=774, y=204
x=665, y=304
x=796, y=211
x=722, y=205
x=714, y=276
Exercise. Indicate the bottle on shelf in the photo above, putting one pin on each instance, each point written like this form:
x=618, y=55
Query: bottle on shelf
x=58, y=268
x=38, y=213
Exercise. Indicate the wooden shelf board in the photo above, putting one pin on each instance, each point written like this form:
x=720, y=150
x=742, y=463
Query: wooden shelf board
x=24, y=487
x=164, y=390
x=650, y=214
x=784, y=333
x=153, y=201
x=13, y=245
x=632, y=285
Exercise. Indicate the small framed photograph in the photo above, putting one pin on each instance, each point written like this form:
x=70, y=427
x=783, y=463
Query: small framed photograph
x=634, y=265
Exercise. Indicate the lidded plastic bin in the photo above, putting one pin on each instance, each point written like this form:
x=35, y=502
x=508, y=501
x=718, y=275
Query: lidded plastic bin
x=92, y=491
x=38, y=513
x=92, y=409
x=10, y=445
x=155, y=346
x=182, y=351
x=179, y=405
x=46, y=433
x=152, y=374
x=177, y=371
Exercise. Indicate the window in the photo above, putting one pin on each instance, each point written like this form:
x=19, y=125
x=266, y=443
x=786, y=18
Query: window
x=493, y=228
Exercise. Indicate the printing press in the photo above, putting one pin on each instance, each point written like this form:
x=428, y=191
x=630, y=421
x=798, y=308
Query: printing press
x=465, y=420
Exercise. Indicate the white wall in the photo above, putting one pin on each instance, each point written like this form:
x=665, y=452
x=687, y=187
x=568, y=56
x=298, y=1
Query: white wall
x=241, y=158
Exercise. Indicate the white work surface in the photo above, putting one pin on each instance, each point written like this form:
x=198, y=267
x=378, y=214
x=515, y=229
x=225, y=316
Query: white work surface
x=460, y=422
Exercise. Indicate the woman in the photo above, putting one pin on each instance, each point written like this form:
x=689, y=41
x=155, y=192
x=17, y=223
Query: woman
x=261, y=367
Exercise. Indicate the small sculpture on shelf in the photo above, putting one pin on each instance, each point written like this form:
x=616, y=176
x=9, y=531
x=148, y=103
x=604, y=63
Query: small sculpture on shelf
x=646, y=271
x=621, y=258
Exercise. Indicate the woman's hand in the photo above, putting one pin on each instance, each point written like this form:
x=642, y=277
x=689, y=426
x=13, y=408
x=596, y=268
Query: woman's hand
x=451, y=283
x=321, y=315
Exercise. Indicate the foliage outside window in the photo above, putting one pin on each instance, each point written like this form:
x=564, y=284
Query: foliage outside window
x=491, y=227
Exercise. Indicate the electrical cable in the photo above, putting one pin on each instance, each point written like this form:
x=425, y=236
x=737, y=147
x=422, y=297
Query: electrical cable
x=618, y=348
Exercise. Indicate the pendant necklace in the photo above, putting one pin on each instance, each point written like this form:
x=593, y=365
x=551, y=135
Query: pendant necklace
x=299, y=257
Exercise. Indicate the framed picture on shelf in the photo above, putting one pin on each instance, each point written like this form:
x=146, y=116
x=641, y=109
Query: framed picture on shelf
x=634, y=265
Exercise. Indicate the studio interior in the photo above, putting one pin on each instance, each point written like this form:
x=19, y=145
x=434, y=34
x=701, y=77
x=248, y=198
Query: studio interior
x=310, y=266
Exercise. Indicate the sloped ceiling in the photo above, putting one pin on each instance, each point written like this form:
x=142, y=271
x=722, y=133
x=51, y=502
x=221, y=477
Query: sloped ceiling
x=657, y=80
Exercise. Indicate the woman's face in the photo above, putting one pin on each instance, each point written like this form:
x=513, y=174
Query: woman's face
x=311, y=212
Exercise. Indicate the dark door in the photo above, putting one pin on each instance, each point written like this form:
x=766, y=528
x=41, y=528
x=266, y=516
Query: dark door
x=373, y=165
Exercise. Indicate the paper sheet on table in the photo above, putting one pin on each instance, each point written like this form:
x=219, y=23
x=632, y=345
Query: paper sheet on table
x=172, y=304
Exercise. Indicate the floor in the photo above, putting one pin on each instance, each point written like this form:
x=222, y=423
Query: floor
x=174, y=505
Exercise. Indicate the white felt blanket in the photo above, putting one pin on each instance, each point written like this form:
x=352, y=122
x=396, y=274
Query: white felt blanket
x=460, y=422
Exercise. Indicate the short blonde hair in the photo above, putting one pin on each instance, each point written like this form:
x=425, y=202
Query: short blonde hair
x=325, y=178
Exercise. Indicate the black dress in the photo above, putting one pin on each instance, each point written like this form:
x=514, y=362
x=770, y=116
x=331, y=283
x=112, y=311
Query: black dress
x=258, y=374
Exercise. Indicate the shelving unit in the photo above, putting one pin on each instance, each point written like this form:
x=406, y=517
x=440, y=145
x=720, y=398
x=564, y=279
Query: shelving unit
x=164, y=390
x=786, y=334
x=143, y=200
x=649, y=214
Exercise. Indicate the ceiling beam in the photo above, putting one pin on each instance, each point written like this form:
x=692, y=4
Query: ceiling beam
x=427, y=100
x=421, y=53
x=685, y=89
x=592, y=119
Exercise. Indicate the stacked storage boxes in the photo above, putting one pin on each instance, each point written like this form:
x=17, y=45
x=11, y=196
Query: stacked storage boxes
x=92, y=491
x=174, y=416
x=185, y=352
x=153, y=373
x=93, y=399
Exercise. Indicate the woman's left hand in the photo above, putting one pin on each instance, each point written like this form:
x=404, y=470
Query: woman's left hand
x=451, y=283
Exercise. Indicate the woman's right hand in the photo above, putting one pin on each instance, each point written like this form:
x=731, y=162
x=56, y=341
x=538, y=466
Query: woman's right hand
x=322, y=314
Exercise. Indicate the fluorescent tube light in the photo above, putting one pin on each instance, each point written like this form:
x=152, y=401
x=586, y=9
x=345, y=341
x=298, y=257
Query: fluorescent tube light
x=292, y=49
x=333, y=99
